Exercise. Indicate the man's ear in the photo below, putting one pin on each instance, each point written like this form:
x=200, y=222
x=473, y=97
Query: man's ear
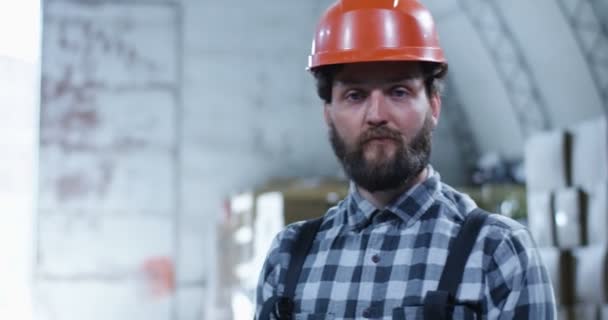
x=435, y=104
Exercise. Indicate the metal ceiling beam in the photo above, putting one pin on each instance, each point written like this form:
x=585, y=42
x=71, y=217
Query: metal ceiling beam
x=512, y=67
x=587, y=19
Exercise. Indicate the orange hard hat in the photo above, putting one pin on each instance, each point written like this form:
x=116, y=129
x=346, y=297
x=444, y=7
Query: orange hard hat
x=375, y=30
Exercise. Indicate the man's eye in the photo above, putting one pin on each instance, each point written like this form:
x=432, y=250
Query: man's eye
x=399, y=92
x=354, y=96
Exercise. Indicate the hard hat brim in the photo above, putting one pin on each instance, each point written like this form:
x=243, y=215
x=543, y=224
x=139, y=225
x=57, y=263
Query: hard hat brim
x=393, y=54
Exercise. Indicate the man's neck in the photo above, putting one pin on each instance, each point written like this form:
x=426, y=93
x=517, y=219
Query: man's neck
x=381, y=199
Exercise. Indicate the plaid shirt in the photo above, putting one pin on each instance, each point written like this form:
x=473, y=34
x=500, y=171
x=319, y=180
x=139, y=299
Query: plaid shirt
x=369, y=263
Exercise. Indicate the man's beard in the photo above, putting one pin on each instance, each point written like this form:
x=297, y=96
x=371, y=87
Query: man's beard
x=384, y=172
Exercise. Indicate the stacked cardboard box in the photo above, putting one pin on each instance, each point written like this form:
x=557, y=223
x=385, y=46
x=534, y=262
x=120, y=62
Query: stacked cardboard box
x=567, y=183
x=254, y=219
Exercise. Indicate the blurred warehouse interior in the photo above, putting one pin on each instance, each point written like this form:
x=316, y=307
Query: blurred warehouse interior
x=152, y=149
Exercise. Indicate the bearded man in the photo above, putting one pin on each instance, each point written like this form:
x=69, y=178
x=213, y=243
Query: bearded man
x=402, y=244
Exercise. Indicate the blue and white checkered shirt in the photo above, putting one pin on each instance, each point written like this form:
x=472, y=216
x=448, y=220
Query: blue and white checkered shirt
x=368, y=263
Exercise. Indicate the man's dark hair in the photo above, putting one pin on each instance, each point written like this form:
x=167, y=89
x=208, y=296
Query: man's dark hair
x=433, y=73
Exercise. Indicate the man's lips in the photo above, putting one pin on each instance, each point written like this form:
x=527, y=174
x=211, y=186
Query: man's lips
x=380, y=140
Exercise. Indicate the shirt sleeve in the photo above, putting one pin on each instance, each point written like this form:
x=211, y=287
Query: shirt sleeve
x=519, y=286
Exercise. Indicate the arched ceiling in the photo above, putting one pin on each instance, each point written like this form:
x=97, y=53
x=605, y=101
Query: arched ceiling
x=521, y=66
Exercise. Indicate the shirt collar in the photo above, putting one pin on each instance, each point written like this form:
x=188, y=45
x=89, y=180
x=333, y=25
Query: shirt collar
x=409, y=206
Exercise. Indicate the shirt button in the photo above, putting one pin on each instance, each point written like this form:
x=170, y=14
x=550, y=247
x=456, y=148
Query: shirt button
x=367, y=313
x=376, y=258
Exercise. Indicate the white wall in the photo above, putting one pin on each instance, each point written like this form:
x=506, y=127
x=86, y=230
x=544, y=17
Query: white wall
x=19, y=78
x=18, y=128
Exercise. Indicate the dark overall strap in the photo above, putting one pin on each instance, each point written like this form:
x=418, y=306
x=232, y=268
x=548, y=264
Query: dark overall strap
x=437, y=303
x=282, y=306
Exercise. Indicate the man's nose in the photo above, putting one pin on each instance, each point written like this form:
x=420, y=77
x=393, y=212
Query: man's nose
x=377, y=109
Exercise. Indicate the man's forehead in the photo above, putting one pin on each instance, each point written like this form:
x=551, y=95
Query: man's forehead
x=379, y=72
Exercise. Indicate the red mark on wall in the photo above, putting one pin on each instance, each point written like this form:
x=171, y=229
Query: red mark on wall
x=72, y=186
x=80, y=119
x=160, y=275
x=79, y=184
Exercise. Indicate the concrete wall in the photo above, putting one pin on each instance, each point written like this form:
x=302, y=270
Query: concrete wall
x=109, y=158
x=153, y=112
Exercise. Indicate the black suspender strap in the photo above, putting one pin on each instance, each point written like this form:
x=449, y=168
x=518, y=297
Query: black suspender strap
x=437, y=303
x=267, y=308
x=460, y=251
x=300, y=250
x=282, y=306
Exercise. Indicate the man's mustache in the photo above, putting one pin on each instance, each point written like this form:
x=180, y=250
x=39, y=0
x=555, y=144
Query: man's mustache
x=379, y=133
